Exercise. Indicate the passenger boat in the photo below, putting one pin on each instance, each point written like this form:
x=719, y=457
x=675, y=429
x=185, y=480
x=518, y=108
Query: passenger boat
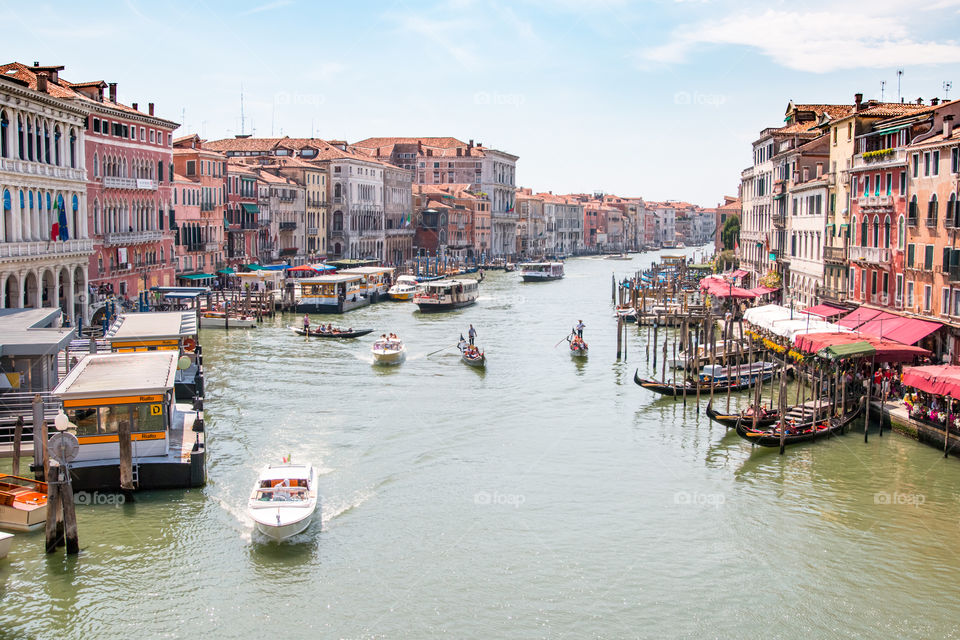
x=329, y=294
x=6, y=539
x=284, y=499
x=797, y=433
x=373, y=285
x=541, y=271
x=578, y=348
x=388, y=351
x=221, y=320
x=444, y=295
x=472, y=356
x=336, y=333
x=403, y=289
x=722, y=349
x=667, y=389
x=732, y=419
x=23, y=503
x=719, y=374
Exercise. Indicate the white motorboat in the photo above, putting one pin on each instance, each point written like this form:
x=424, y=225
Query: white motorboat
x=23, y=503
x=220, y=320
x=390, y=350
x=284, y=499
x=541, y=271
x=6, y=539
x=404, y=288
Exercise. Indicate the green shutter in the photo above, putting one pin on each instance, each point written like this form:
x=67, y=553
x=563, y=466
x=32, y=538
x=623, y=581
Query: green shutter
x=911, y=252
x=928, y=257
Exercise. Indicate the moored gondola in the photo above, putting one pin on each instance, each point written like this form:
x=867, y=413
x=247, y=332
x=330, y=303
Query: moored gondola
x=732, y=419
x=336, y=333
x=678, y=389
x=795, y=434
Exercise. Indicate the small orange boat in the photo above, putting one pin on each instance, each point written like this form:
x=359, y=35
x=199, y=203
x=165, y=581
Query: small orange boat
x=23, y=503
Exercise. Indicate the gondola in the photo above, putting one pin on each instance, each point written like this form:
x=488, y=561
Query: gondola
x=678, y=389
x=796, y=434
x=732, y=419
x=477, y=359
x=336, y=333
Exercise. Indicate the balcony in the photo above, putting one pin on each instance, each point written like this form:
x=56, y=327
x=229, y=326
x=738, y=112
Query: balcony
x=401, y=232
x=29, y=167
x=337, y=199
x=114, y=182
x=836, y=255
x=211, y=246
x=874, y=255
x=953, y=273
x=912, y=221
x=779, y=220
x=288, y=226
x=884, y=201
x=10, y=251
x=131, y=237
x=831, y=293
x=879, y=159
x=312, y=231
x=206, y=206
x=931, y=222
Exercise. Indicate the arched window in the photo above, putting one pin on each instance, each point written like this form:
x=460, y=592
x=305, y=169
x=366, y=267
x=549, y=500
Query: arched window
x=56, y=145
x=4, y=126
x=853, y=232
x=886, y=232
x=96, y=215
x=46, y=144
x=6, y=226
x=864, y=224
x=39, y=135
x=159, y=170
x=73, y=149
x=338, y=220
x=932, y=207
x=901, y=233
x=75, y=206
x=29, y=140
x=914, y=211
x=20, y=137
x=876, y=231
x=337, y=190
x=953, y=215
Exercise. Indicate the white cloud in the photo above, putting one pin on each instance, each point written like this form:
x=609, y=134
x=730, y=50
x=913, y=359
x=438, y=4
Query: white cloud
x=818, y=42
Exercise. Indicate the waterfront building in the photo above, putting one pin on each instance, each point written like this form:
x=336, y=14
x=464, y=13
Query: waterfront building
x=45, y=246
x=398, y=214
x=243, y=215
x=204, y=241
x=281, y=202
x=190, y=229
x=313, y=178
x=531, y=224
x=730, y=207
x=566, y=216
x=447, y=160
x=446, y=220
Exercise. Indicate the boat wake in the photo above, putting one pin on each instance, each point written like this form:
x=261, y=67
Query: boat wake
x=334, y=508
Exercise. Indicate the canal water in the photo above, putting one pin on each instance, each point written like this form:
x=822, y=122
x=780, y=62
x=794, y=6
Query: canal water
x=544, y=498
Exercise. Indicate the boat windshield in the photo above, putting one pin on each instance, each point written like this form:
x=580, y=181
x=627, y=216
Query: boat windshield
x=282, y=494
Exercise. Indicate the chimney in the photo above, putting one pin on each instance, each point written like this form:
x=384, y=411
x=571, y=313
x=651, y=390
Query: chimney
x=150, y=108
x=919, y=100
x=419, y=148
x=42, y=82
x=459, y=152
x=857, y=99
x=948, y=125
x=819, y=169
x=113, y=92
x=934, y=101
x=134, y=105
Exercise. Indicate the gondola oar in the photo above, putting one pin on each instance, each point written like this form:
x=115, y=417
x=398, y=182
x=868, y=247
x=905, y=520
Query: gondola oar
x=439, y=350
x=566, y=337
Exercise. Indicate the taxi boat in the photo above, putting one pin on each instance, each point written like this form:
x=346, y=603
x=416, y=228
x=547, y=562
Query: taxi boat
x=284, y=499
x=444, y=295
x=404, y=289
x=23, y=503
x=388, y=351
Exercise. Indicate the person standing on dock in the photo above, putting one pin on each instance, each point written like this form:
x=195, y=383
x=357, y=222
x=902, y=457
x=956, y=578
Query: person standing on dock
x=580, y=327
x=472, y=334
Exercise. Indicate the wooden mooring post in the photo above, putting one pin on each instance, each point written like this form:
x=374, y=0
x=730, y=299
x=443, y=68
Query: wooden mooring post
x=17, y=436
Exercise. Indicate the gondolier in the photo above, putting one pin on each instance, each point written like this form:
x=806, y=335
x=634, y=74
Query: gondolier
x=580, y=326
x=472, y=333
x=306, y=323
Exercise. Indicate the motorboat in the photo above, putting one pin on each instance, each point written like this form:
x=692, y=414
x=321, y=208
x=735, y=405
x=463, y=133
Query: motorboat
x=222, y=320
x=403, y=289
x=335, y=332
x=23, y=503
x=541, y=271
x=388, y=350
x=284, y=499
x=6, y=539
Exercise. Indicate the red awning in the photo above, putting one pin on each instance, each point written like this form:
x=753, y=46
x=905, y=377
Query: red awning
x=858, y=316
x=886, y=350
x=721, y=289
x=939, y=379
x=739, y=273
x=303, y=267
x=762, y=291
x=897, y=328
x=824, y=311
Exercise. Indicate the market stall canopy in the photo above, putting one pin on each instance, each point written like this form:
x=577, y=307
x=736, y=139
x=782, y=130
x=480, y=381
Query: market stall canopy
x=846, y=351
x=763, y=291
x=884, y=350
x=227, y=272
x=196, y=276
x=739, y=273
x=303, y=268
x=941, y=379
x=824, y=311
x=720, y=288
x=861, y=316
x=888, y=326
x=782, y=322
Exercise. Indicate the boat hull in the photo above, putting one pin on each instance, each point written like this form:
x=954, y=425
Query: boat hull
x=6, y=540
x=341, y=335
x=478, y=363
x=667, y=389
x=285, y=531
x=13, y=519
x=430, y=307
x=770, y=439
x=401, y=297
x=309, y=306
x=531, y=277
x=732, y=419
x=390, y=358
x=220, y=323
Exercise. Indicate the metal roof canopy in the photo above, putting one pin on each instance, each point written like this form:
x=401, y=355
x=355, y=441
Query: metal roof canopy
x=118, y=374
x=331, y=279
x=153, y=325
x=32, y=332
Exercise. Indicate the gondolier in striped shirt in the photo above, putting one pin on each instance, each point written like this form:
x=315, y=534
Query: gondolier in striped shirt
x=472, y=333
x=306, y=322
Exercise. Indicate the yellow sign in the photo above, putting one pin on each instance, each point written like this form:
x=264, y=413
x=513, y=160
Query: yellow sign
x=153, y=435
x=156, y=409
x=96, y=402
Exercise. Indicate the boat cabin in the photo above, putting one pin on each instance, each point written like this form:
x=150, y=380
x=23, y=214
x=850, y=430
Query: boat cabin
x=330, y=294
x=376, y=280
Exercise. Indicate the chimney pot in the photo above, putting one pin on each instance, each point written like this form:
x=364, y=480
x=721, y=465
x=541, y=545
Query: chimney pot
x=919, y=100
x=947, y=125
x=857, y=99
x=42, y=82
x=36, y=63
x=150, y=108
x=819, y=169
x=134, y=105
x=113, y=92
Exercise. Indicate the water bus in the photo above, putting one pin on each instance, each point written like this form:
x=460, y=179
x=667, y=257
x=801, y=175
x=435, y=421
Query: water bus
x=330, y=294
x=541, y=271
x=444, y=295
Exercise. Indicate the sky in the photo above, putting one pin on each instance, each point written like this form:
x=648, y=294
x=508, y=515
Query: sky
x=658, y=99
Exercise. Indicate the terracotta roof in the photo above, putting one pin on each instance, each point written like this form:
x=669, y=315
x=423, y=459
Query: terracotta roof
x=440, y=142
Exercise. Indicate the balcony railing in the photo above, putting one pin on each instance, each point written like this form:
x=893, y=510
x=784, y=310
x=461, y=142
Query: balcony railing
x=877, y=159
x=931, y=223
x=40, y=169
x=288, y=226
x=15, y=250
x=312, y=231
x=876, y=255
x=835, y=254
x=778, y=219
x=912, y=221
x=131, y=237
x=832, y=293
x=954, y=273
x=115, y=182
x=206, y=206
x=876, y=201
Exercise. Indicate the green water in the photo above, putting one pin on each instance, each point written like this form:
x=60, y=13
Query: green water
x=544, y=498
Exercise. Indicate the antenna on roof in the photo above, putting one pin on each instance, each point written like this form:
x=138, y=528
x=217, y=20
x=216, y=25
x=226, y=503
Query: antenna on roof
x=883, y=84
x=947, y=85
x=242, y=130
x=899, y=75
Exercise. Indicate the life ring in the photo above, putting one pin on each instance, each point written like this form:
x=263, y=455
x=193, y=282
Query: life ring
x=189, y=344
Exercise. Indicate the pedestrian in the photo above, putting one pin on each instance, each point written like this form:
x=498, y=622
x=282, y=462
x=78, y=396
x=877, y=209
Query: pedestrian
x=580, y=327
x=472, y=333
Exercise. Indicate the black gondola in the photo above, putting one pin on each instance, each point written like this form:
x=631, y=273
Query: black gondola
x=677, y=389
x=337, y=333
x=798, y=433
x=731, y=419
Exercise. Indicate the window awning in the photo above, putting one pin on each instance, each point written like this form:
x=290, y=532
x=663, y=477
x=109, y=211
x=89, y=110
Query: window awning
x=227, y=272
x=251, y=208
x=196, y=276
x=824, y=311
